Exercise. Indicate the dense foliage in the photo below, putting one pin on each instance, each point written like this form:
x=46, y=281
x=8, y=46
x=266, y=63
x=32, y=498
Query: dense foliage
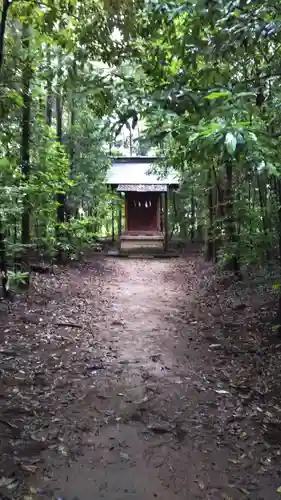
x=55, y=124
x=198, y=81
x=213, y=78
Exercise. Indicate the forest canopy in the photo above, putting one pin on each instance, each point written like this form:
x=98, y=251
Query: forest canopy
x=195, y=82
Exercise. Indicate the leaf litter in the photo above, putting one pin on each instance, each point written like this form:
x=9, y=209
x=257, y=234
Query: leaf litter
x=62, y=373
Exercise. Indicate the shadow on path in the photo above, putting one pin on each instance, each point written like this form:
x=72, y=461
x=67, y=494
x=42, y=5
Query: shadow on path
x=111, y=386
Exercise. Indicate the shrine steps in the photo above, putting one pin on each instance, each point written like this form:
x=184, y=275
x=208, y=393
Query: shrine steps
x=148, y=253
x=159, y=255
x=141, y=244
x=132, y=241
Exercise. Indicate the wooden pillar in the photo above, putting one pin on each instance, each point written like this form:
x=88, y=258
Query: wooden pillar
x=175, y=210
x=159, y=212
x=166, y=236
x=112, y=217
x=126, y=212
x=119, y=220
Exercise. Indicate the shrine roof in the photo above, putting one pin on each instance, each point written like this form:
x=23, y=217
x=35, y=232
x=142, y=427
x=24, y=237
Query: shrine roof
x=135, y=170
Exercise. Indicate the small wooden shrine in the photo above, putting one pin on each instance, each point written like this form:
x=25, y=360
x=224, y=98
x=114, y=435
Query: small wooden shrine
x=143, y=203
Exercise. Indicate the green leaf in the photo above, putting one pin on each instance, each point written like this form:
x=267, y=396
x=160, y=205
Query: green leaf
x=279, y=489
x=15, y=97
x=217, y=94
x=253, y=136
x=193, y=137
x=240, y=139
x=246, y=94
x=4, y=163
x=230, y=143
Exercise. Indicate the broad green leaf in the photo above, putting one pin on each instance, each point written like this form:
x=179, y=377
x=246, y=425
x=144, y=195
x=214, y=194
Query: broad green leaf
x=240, y=139
x=15, y=97
x=246, y=94
x=218, y=94
x=230, y=143
x=253, y=136
x=193, y=137
x=4, y=163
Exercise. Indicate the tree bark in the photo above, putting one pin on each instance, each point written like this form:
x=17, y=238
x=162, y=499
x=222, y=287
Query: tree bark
x=49, y=97
x=3, y=260
x=6, y=5
x=25, y=137
x=230, y=227
x=264, y=216
x=192, y=227
x=60, y=196
x=166, y=221
x=277, y=189
x=210, y=250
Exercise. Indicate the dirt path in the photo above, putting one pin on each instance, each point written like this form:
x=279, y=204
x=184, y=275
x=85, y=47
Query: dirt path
x=129, y=402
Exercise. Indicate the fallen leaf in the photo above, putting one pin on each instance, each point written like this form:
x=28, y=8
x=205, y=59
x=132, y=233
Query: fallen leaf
x=215, y=346
x=246, y=492
x=29, y=468
x=160, y=428
x=8, y=482
x=63, y=451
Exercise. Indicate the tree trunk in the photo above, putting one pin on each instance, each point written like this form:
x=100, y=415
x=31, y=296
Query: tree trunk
x=210, y=248
x=25, y=138
x=192, y=226
x=49, y=97
x=219, y=212
x=230, y=227
x=277, y=189
x=3, y=262
x=263, y=207
x=5, y=8
x=60, y=196
x=130, y=139
x=3, y=259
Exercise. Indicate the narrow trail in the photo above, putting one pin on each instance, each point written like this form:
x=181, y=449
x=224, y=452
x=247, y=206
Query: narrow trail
x=122, y=404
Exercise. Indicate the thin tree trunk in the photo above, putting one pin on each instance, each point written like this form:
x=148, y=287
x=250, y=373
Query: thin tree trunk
x=49, y=97
x=6, y=5
x=250, y=225
x=219, y=211
x=130, y=139
x=25, y=138
x=3, y=262
x=210, y=229
x=192, y=227
x=72, y=141
x=263, y=207
x=233, y=262
x=60, y=196
x=277, y=189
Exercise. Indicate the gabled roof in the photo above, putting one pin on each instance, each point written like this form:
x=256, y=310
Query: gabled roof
x=134, y=170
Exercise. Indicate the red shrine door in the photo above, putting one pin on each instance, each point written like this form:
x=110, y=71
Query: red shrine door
x=142, y=211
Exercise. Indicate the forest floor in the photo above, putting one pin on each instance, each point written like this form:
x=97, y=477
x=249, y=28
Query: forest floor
x=140, y=379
